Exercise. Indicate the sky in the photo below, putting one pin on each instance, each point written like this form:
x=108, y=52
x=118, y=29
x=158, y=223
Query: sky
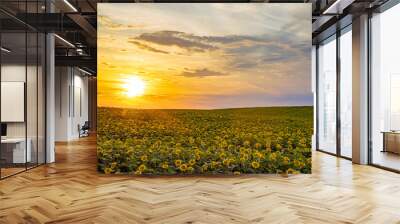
x=204, y=56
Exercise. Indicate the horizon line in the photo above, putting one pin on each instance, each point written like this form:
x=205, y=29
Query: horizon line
x=224, y=108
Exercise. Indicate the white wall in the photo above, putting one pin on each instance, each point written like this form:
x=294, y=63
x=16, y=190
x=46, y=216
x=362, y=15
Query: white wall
x=62, y=82
x=14, y=73
x=71, y=102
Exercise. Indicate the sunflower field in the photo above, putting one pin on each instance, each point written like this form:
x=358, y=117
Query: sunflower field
x=222, y=141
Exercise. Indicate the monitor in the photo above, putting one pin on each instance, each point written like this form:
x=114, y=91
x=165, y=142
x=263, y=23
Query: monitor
x=3, y=129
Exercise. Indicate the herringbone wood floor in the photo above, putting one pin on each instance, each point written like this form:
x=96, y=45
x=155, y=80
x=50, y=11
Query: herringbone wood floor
x=71, y=191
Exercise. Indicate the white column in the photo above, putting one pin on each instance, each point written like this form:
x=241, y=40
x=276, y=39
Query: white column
x=314, y=91
x=360, y=90
x=50, y=98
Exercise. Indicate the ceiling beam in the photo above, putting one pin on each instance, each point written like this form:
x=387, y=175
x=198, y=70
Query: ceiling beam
x=81, y=61
x=84, y=24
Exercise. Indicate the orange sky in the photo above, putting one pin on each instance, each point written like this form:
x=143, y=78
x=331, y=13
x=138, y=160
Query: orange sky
x=204, y=55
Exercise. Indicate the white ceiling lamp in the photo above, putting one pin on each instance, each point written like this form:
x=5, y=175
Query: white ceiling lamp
x=84, y=71
x=64, y=40
x=5, y=50
x=70, y=5
x=337, y=7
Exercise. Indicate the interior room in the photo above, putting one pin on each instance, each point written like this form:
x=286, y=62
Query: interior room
x=22, y=103
x=49, y=163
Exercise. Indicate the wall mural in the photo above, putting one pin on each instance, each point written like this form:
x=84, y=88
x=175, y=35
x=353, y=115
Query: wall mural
x=204, y=88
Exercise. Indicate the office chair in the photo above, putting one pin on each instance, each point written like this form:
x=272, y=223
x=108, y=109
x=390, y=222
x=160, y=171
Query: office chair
x=84, y=130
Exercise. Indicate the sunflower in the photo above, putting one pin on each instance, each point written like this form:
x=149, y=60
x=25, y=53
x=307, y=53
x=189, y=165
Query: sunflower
x=142, y=168
x=165, y=165
x=298, y=163
x=236, y=173
x=226, y=162
x=258, y=155
x=292, y=171
x=214, y=164
x=272, y=156
x=204, y=168
x=285, y=160
x=178, y=162
x=255, y=164
x=192, y=162
x=108, y=170
x=183, y=167
x=113, y=165
x=143, y=158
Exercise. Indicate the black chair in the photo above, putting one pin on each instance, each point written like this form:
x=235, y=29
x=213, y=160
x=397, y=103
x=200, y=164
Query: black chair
x=84, y=130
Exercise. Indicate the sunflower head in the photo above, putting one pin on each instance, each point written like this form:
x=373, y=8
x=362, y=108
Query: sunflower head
x=183, y=167
x=142, y=168
x=165, y=165
x=192, y=162
x=108, y=170
x=143, y=158
x=178, y=162
x=255, y=164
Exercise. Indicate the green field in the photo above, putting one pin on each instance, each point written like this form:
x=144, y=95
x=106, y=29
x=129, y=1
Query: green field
x=244, y=140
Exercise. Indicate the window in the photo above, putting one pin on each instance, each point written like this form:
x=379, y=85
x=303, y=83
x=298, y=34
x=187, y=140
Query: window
x=346, y=92
x=327, y=95
x=385, y=89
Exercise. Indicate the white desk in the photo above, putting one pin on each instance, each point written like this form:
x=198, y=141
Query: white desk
x=19, y=155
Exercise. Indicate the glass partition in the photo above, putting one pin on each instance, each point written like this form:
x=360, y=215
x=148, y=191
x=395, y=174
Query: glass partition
x=327, y=95
x=13, y=94
x=22, y=78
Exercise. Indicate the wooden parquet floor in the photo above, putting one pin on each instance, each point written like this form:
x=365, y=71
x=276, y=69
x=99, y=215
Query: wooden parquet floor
x=71, y=191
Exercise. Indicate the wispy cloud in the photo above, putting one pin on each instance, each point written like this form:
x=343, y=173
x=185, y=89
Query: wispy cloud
x=147, y=47
x=108, y=23
x=178, y=39
x=200, y=73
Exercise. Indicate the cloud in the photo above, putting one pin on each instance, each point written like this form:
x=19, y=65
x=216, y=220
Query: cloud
x=263, y=48
x=108, y=23
x=146, y=47
x=180, y=39
x=200, y=73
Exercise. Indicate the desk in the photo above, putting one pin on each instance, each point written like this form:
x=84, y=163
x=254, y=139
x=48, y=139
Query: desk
x=16, y=147
x=391, y=141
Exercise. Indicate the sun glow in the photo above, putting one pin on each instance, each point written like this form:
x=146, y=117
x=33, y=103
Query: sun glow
x=134, y=86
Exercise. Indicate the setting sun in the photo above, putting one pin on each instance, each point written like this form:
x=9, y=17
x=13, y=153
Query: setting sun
x=134, y=86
